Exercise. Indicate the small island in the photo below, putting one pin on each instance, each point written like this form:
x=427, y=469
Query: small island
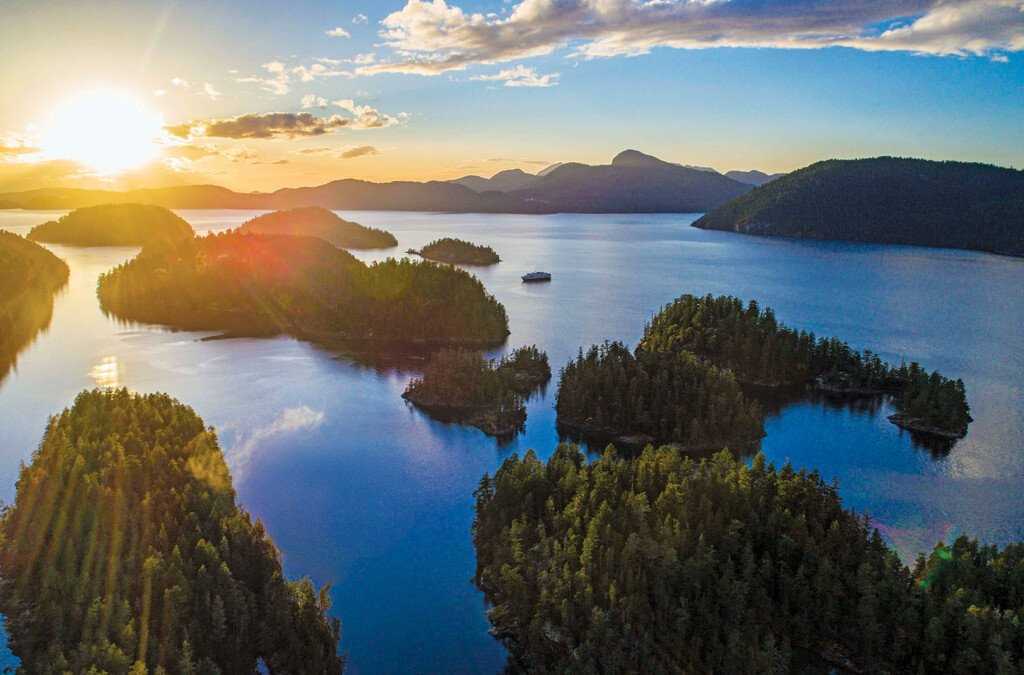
x=314, y=221
x=125, y=551
x=462, y=386
x=114, y=225
x=459, y=252
x=611, y=394
x=29, y=277
x=252, y=284
x=749, y=341
x=663, y=564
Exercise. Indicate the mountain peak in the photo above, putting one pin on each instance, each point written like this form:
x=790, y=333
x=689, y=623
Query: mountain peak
x=636, y=158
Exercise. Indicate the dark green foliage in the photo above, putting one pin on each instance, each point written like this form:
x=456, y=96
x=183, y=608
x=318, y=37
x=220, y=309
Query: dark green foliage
x=313, y=221
x=114, y=225
x=29, y=275
x=459, y=252
x=750, y=342
x=125, y=550
x=887, y=200
x=665, y=396
x=461, y=385
x=258, y=284
x=664, y=564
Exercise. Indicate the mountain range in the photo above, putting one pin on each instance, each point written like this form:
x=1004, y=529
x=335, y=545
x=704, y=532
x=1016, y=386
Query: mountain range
x=633, y=182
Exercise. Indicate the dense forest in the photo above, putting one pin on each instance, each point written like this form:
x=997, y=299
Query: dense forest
x=114, y=225
x=313, y=221
x=665, y=397
x=125, y=552
x=265, y=284
x=459, y=252
x=459, y=385
x=886, y=200
x=29, y=276
x=664, y=564
x=749, y=341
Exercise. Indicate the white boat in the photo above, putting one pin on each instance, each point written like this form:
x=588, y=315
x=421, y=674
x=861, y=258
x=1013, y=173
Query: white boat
x=536, y=276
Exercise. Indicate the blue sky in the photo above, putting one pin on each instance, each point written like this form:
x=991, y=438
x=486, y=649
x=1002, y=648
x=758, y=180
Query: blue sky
x=475, y=87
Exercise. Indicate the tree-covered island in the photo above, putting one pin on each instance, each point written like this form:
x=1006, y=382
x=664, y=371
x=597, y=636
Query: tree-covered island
x=612, y=394
x=265, y=284
x=126, y=553
x=459, y=252
x=29, y=277
x=750, y=342
x=114, y=225
x=462, y=386
x=663, y=564
x=314, y=221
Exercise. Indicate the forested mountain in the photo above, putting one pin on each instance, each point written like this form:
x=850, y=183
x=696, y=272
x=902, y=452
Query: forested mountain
x=459, y=252
x=632, y=183
x=114, y=225
x=125, y=552
x=887, y=200
x=314, y=221
x=660, y=564
x=747, y=340
x=303, y=286
x=29, y=276
x=753, y=177
x=611, y=393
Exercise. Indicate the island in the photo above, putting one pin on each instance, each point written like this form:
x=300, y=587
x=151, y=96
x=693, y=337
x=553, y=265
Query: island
x=459, y=252
x=253, y=284
x=663, y=564
x=113, y=225
x=760, y=351
x=314, y=221
x=888, y=200
x=29, y=277
x=634, y=399
x=462, y=386
x=125, y=551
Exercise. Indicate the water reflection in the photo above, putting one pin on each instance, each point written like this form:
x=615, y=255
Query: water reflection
x=22, y=320
x=107, y=373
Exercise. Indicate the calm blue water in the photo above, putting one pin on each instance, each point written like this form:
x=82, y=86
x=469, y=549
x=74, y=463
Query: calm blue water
x=362, y=491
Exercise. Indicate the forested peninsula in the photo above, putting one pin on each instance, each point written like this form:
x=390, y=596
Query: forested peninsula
x=29, y=277
x=663, y=564
x=750, y=342
x=263, y=284
x=313, y=221
x=125, y=552
x=887, y=200
x=114, y=225
x=462, y=386
x=459, y=252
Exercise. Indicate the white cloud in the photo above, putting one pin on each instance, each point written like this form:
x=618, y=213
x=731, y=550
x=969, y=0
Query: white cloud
x=276, y=82
x=322, y=68
x=179, y=82
x=313, y=101
x=364, y=59
x=290, y=420
x=359, y=18
x=338, y=32
x=429, y=37
x=210, y=91
x=520, y=76
x=367, y=117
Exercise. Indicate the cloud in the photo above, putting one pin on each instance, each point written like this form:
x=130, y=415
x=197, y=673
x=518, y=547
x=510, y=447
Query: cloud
x=210, y=91
x=364, y=59
x=521, y=76
x=290, y=420
x=366, y=117
x=315, y=151
x=322, y=68
x=359, y=151
x=276, y=81
x=338, y=32
x=179, y=82
x=261, y=125
x=15, y=149
x=190, y=151
x=429, y=37
x=313, y=101
x=359, y=18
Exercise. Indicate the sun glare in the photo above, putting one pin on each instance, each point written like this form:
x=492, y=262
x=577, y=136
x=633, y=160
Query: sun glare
x=106, y=131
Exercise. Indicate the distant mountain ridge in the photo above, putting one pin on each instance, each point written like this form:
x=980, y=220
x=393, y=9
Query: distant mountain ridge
x=886, y=200
x=753, y=177
x=632, y=183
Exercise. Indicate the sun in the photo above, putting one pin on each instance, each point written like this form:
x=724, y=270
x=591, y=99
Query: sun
x=107, y=131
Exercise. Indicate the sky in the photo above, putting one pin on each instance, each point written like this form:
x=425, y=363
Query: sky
x=258, y=96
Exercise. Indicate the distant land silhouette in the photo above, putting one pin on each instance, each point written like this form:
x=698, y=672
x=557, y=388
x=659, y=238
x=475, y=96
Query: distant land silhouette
x=314, y=221
x=886, y=200
x=753, y=177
